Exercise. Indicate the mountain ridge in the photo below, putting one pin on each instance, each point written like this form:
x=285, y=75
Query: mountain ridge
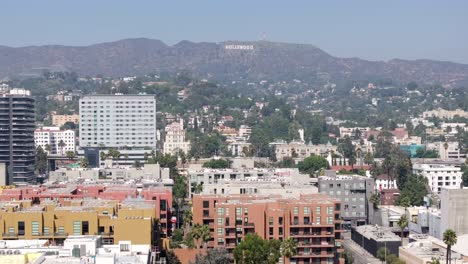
x=249, y=60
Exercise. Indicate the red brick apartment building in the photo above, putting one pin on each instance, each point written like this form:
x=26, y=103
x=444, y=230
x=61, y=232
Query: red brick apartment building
x=312, y=220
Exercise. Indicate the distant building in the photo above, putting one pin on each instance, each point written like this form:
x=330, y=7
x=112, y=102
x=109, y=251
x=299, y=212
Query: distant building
x=17, y=123
x=51, y=138
x=175, y=141
x=440, y=174
x=452, y=151
x=385, y=182
x=354, y=192
x=441, y=113
x=300, y=150
x=352, y=131
x=60, y=120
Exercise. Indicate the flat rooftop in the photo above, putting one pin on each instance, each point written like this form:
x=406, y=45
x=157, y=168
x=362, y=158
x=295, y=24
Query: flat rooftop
x=377, y=233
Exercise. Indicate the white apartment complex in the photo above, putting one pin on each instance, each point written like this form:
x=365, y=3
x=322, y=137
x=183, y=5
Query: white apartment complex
x=440, y=174
x=50, y=138
x=175, y=142
x=118, y=121
x=452, y=152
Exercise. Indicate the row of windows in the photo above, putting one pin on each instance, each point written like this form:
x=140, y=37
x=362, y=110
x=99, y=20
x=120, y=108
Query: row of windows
x=117, y=102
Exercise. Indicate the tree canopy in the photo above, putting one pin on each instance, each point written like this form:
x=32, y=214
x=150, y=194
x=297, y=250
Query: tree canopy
x=255, y=250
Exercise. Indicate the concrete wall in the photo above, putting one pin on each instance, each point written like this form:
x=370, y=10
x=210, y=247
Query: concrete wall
x=454, y=204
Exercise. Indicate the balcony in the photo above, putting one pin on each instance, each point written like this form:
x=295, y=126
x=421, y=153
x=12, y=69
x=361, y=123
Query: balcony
x=60, y=234
x=104, y=234
x=9, y=235
x=249, y=225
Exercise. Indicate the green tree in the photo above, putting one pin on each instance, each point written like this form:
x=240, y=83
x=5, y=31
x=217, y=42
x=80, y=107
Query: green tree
x=83, y=163
x=172, y=258
x=288, y=247
x=413, y=191
x=41, y=160
x=434, y=261
x=137, y=164
x=450, y=239
x=214, y=256
x=201, y=234
x=217, y=164
x=70, y=155
x=347, y=149
x=255, y=250
x=375, y=199
x=465, y=176
x=61, y=145
x=312, y=164
x=382, y=254
x=68, y=126
x=348, y=257
x=402, y=223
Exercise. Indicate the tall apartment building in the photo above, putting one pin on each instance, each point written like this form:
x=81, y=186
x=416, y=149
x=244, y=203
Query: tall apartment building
x=175, y=142
x=354, y=192
x=60, y=120
x=313, y=221
x=17, y=117
x=440, y=174
x=51, y=138
x=124, y=122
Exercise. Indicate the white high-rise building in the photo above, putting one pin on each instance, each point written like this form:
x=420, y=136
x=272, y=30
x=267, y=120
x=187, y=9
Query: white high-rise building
x=50, y=138
x=123, y=122
x=118, y=121
x=175, y=142
x=440, y=174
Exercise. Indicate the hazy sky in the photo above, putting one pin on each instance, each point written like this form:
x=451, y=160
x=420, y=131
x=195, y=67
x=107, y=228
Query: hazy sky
x=377, y=30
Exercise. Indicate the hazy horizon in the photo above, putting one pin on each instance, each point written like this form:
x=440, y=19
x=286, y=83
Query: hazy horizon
x=366, y=29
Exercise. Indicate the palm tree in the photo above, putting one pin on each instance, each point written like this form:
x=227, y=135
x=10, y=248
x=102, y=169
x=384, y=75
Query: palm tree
x=205, y=235
x=70, y=155
x=402, y=223
x=288, y=247
x=196, y=233
x=188, y=217
x=434, y=261
x=47, y=148
x=61, y=144
x=446, y=147
x=450, y=239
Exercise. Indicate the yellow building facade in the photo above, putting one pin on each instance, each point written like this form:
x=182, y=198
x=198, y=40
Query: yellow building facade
x=115, y=222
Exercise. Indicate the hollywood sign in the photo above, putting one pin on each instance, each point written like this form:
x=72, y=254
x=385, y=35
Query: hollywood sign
x=239, y=47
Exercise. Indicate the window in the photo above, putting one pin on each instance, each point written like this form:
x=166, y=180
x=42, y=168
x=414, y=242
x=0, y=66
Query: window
x=85, y=227
x=317, y=210
x=35, y=228
x=270, y=220
x=329, y=220
x=163, y=205
x=306, y=210
x=317, y=220
x=11, y=230
x=220, y=231
x=220, y=211
x=46, y=230
x=20, y=228
x=280, y=220
x=61, y=230
x=238, y=211
x=246, y=211
x=76, y=228
x=296, y=210
x=124, y=247
x=227, y=211
x=220, y=221
x=330, y=210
